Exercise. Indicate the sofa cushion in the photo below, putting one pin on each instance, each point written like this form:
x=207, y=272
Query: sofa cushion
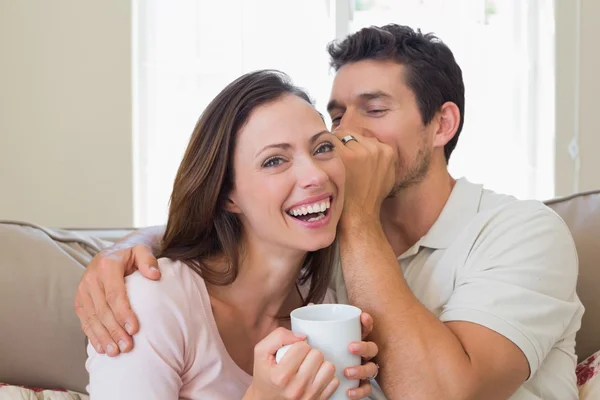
x=21, y=392
x=588, y=377
x=42, y=343
x=581, y=212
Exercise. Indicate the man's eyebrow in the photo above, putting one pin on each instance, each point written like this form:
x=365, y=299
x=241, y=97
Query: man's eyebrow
x=378, y=94
x=365, y=96
x=334, y=105
x=286, y=146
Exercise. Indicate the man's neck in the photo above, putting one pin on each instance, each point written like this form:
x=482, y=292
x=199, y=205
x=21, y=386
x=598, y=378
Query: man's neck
x=408, y=216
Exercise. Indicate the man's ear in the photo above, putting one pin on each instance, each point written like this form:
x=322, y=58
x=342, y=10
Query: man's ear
x=231, y=205
x=448, y=122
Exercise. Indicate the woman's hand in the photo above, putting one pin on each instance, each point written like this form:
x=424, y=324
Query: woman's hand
x=302, y=373
x=367, y=351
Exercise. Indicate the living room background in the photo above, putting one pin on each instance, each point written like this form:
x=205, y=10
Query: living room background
x=100, y=98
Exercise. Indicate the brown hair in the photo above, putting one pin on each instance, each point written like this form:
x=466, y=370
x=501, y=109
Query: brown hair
x=199, y=225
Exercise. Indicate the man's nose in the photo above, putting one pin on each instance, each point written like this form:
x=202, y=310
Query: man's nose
x=354, y=123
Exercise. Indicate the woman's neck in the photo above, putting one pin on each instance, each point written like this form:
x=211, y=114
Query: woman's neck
x=265, y=287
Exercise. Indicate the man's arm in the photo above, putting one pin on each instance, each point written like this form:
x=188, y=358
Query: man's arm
x=512, y=302
x=421, y=357
x=101, y=301
x=150, y=237
x=492, y=338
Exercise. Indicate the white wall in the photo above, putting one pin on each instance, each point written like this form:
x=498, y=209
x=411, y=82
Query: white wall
x=65, y=112
x=577, y=95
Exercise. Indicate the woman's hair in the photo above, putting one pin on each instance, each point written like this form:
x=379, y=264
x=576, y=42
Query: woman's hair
x=199, y=226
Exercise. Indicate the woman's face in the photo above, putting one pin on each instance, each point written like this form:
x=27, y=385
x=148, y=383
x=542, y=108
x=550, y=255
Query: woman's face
x=288, y=179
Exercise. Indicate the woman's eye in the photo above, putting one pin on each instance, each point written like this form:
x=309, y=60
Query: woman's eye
x=272, y=162
x=325, y=148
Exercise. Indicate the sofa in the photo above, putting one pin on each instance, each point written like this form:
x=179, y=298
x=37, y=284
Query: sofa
x=42, y=345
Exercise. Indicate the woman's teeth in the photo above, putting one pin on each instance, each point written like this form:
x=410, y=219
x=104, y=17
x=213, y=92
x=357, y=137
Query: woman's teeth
x=319, y=216
x=316, y=208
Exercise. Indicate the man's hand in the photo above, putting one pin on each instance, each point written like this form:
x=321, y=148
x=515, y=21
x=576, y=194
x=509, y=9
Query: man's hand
x=370, y=174
x=101, y=301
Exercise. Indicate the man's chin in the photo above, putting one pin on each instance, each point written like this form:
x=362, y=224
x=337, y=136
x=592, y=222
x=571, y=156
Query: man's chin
x=394, y=192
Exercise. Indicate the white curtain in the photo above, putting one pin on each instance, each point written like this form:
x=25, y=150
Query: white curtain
x=186, y=51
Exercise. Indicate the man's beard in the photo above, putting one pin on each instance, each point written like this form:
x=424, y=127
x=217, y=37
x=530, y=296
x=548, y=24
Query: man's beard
x=414, y=173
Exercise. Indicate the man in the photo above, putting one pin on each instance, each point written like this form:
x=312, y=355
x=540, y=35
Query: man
x=472, y=292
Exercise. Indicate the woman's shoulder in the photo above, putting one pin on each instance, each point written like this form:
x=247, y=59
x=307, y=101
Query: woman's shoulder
x=178, y=288
x=174, y=274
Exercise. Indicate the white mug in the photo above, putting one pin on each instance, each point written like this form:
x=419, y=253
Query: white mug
x=330, y=328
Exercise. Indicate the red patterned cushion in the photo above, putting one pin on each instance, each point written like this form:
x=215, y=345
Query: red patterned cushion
x=23, y=392
x=588, y=377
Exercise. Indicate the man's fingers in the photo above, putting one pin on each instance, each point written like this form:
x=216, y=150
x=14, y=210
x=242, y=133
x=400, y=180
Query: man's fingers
x=146, y=262
x=366, y=350
x=81, y=311
x=104, y=315
x=364, y=390
x=86, y=310
x=118, y=303
x=366, y=371
x=366, y=322
x=102, y=342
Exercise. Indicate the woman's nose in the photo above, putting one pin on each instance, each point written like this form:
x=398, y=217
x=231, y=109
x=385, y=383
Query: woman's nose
x=311, y=175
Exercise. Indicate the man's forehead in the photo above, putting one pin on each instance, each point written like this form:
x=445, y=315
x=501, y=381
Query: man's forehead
x=355, y=82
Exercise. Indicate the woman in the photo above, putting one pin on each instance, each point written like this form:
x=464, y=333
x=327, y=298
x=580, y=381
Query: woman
x=252, y=221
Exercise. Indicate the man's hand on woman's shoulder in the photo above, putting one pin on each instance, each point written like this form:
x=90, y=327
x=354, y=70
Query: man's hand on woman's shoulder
x=101, y=302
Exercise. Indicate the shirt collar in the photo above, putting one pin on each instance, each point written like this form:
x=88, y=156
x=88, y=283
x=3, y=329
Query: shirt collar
x=461, y=207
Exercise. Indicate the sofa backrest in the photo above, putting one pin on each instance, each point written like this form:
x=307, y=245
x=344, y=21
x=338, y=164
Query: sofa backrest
x=41, y=342
x=581, y=212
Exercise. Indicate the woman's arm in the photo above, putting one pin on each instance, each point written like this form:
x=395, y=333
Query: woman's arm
x=153, y=369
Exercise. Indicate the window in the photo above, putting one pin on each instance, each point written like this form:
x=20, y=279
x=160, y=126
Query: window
x=185, y=52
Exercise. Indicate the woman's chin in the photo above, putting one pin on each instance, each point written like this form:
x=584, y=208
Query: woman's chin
x=318, y=243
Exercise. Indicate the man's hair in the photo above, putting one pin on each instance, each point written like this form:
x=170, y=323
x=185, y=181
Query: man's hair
x=431, y=70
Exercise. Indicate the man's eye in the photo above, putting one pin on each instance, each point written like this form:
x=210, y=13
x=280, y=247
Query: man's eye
x=325, y=148
x=336, y=120
x=376, y=112
x=272, y=162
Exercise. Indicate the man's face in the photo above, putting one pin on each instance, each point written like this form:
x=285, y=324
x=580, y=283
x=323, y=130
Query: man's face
x=371, y=98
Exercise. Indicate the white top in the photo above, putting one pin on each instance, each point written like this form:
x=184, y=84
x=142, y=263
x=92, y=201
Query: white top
x=510, y=266
x=178, y=352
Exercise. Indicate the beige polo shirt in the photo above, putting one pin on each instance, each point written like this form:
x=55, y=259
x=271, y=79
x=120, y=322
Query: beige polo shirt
x=509, y=265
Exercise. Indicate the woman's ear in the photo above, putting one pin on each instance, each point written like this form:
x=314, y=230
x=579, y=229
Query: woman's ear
x=231, y=205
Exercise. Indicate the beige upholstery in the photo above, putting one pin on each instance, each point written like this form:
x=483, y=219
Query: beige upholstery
x=41, y=343
x=581, y=212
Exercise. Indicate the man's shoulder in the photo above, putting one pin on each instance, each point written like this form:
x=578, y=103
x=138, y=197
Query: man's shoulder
x=506, y=227
x=507, y=211
x=498, y=208
x=513, y=231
